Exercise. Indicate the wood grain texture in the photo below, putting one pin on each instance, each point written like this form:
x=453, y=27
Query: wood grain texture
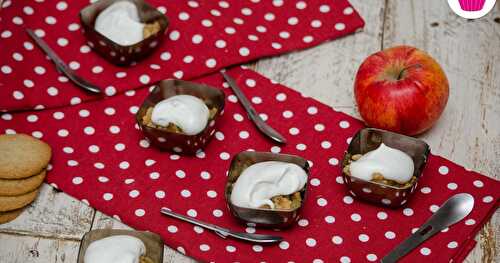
x=468, y=132
x=29, y=249
x=53, y=214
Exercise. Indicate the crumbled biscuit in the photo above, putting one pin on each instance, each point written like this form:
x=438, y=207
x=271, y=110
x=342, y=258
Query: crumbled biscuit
x=151, y=29
x=281, y=202
x=356, y=157
x=347, y=170
x=377, y=177
x=296, y=200
x=285, y=202
x=146, y=120
x=145, y=259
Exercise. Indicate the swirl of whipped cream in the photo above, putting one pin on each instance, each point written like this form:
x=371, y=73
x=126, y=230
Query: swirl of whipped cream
x=118, y=249
x=257, y=184
x=120, y=23
x=392, y=163
x=187, y=112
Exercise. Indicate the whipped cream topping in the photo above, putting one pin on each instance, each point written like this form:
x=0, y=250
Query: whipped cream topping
x=392, y=163
x=187, y=112
x=257, y=184
x=116, y=249
x=120, y=23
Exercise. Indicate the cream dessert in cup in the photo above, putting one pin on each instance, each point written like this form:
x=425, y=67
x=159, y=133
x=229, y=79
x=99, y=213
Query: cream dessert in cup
x=269, y=184
x=385, y=165
x=120, y=23
x=119, y=249
x=181, y=114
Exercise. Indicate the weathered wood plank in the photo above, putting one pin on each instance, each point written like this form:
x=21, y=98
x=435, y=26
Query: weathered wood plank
x=469, y=53
x=53, y=214
x=469, y=131
x=27, y=249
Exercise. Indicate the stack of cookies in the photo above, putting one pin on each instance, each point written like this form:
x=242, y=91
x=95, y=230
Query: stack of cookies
x=23, y=164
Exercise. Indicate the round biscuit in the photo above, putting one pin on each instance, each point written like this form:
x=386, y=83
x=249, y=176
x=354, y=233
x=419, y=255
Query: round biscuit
x=8, y=216
x=22, y=156
x=12, y=187
x=9, y=203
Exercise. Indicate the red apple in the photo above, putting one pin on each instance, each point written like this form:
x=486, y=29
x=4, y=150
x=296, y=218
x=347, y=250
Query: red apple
x=401, y=89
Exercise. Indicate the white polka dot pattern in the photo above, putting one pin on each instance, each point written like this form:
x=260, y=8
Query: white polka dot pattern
x=137, y=180
x=193, y=45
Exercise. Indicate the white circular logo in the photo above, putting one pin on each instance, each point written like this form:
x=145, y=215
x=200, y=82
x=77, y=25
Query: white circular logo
x=471, y=9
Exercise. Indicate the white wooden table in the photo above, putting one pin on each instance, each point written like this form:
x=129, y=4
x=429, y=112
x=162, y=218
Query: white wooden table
x=468, y=132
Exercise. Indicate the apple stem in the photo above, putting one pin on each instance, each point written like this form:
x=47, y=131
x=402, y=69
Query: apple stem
x=400, y=76
x=403, y=71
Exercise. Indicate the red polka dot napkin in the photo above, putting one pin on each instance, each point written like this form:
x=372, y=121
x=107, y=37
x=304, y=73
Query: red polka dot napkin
x=203, y=37
x=102, y=158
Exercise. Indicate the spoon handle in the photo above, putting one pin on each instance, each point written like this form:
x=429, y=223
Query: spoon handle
x=423, y=233
x=53, y=55
x=452, y=211
x=252, y=114
x=223, y=232
x=193, y=221
x=61, y=66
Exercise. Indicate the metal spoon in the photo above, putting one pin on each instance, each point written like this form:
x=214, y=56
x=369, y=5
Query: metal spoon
x=224, y=232
x=257, y=120
x=61, y=66
x=452, y=211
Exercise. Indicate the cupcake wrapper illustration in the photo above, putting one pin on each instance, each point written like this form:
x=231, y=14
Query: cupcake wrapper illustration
x=471, y=5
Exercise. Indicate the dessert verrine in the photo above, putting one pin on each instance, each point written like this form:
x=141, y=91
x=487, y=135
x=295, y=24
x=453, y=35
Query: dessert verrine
x=119, y=248
x=119, y=245
x=123, y=31
x=180, y=116
x=267, y=189
x=384, y=165
x=120, y=23
x=269, y=185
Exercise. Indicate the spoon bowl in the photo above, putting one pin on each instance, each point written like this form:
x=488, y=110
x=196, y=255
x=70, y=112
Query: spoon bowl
x=453, y=210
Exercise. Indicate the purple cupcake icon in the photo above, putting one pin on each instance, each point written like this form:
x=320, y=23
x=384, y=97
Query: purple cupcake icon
x=471, y=5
